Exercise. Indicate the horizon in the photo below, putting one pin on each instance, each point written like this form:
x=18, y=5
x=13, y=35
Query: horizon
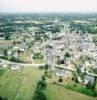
x=84, y=13
x=48, y=6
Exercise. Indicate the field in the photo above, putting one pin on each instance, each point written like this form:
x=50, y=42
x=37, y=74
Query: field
x=59, y=92
x=6, y=42
x=55, y=92
x=24, y=56
x=20, y=85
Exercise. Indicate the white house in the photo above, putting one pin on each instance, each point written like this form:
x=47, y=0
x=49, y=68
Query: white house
x=15, y=67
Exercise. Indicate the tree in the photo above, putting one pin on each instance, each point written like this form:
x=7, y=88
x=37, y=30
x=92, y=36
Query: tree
x=75, y=76
x=60, y=79
x=43, y=78
x=39, y=95
x=5, y=52
x=46, y=67
x=67, y=54
x=58, y=60
x=7, y=36
x=41, y=84
x=38, y=56
x=95, y=70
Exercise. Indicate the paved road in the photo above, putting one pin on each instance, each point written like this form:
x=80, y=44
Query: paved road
x=22, y=64
x=42, y=64
x=74, y=70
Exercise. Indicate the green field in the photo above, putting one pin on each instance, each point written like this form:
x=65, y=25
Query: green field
x=59, y=92
x=21, y=85
x=55, y=92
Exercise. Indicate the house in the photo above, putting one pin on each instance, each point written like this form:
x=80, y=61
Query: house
x=88, y=78
x=60, y=72
x=21, y=49
x=4, y=65
x=2, y=36
x=15, y=67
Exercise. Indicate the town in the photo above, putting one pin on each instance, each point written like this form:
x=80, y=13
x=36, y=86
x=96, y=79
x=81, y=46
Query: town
x=60, y=49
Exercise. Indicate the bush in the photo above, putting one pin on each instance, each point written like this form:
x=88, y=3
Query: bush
x=81, y=90
x=43, y=78
x=46, y=67
x=60, y=79
x=3, y=98
x=39, y=95
x=45, y=72
x=49, y=75
x=41, y=67
x=15, y=60
x=38, y=56
x=4, y=57
x=41, y=84
x=67, y=54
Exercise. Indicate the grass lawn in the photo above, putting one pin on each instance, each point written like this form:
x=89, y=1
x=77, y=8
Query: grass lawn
x=2, y=71
x=80, y=89
x=19, y=85
x=55, y=92
x=59, y=92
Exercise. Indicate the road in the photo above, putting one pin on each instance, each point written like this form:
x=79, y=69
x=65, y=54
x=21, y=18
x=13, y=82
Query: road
x=21, y=64
x=42, y=64
x=74, y=70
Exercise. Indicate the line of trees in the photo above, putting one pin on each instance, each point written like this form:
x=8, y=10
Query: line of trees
x=39, y=92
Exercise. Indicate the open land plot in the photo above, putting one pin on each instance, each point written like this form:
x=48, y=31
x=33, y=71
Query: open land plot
x=19, y=85
x=6, y=42
x=55, y=92
x=24, y=56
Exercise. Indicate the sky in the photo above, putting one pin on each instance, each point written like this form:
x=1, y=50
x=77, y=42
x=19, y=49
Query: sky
x=48, y=6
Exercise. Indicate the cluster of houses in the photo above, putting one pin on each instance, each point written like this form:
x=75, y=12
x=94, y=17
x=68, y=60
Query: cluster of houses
x=54, y=48
x=10, y=66
x=77, y=45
